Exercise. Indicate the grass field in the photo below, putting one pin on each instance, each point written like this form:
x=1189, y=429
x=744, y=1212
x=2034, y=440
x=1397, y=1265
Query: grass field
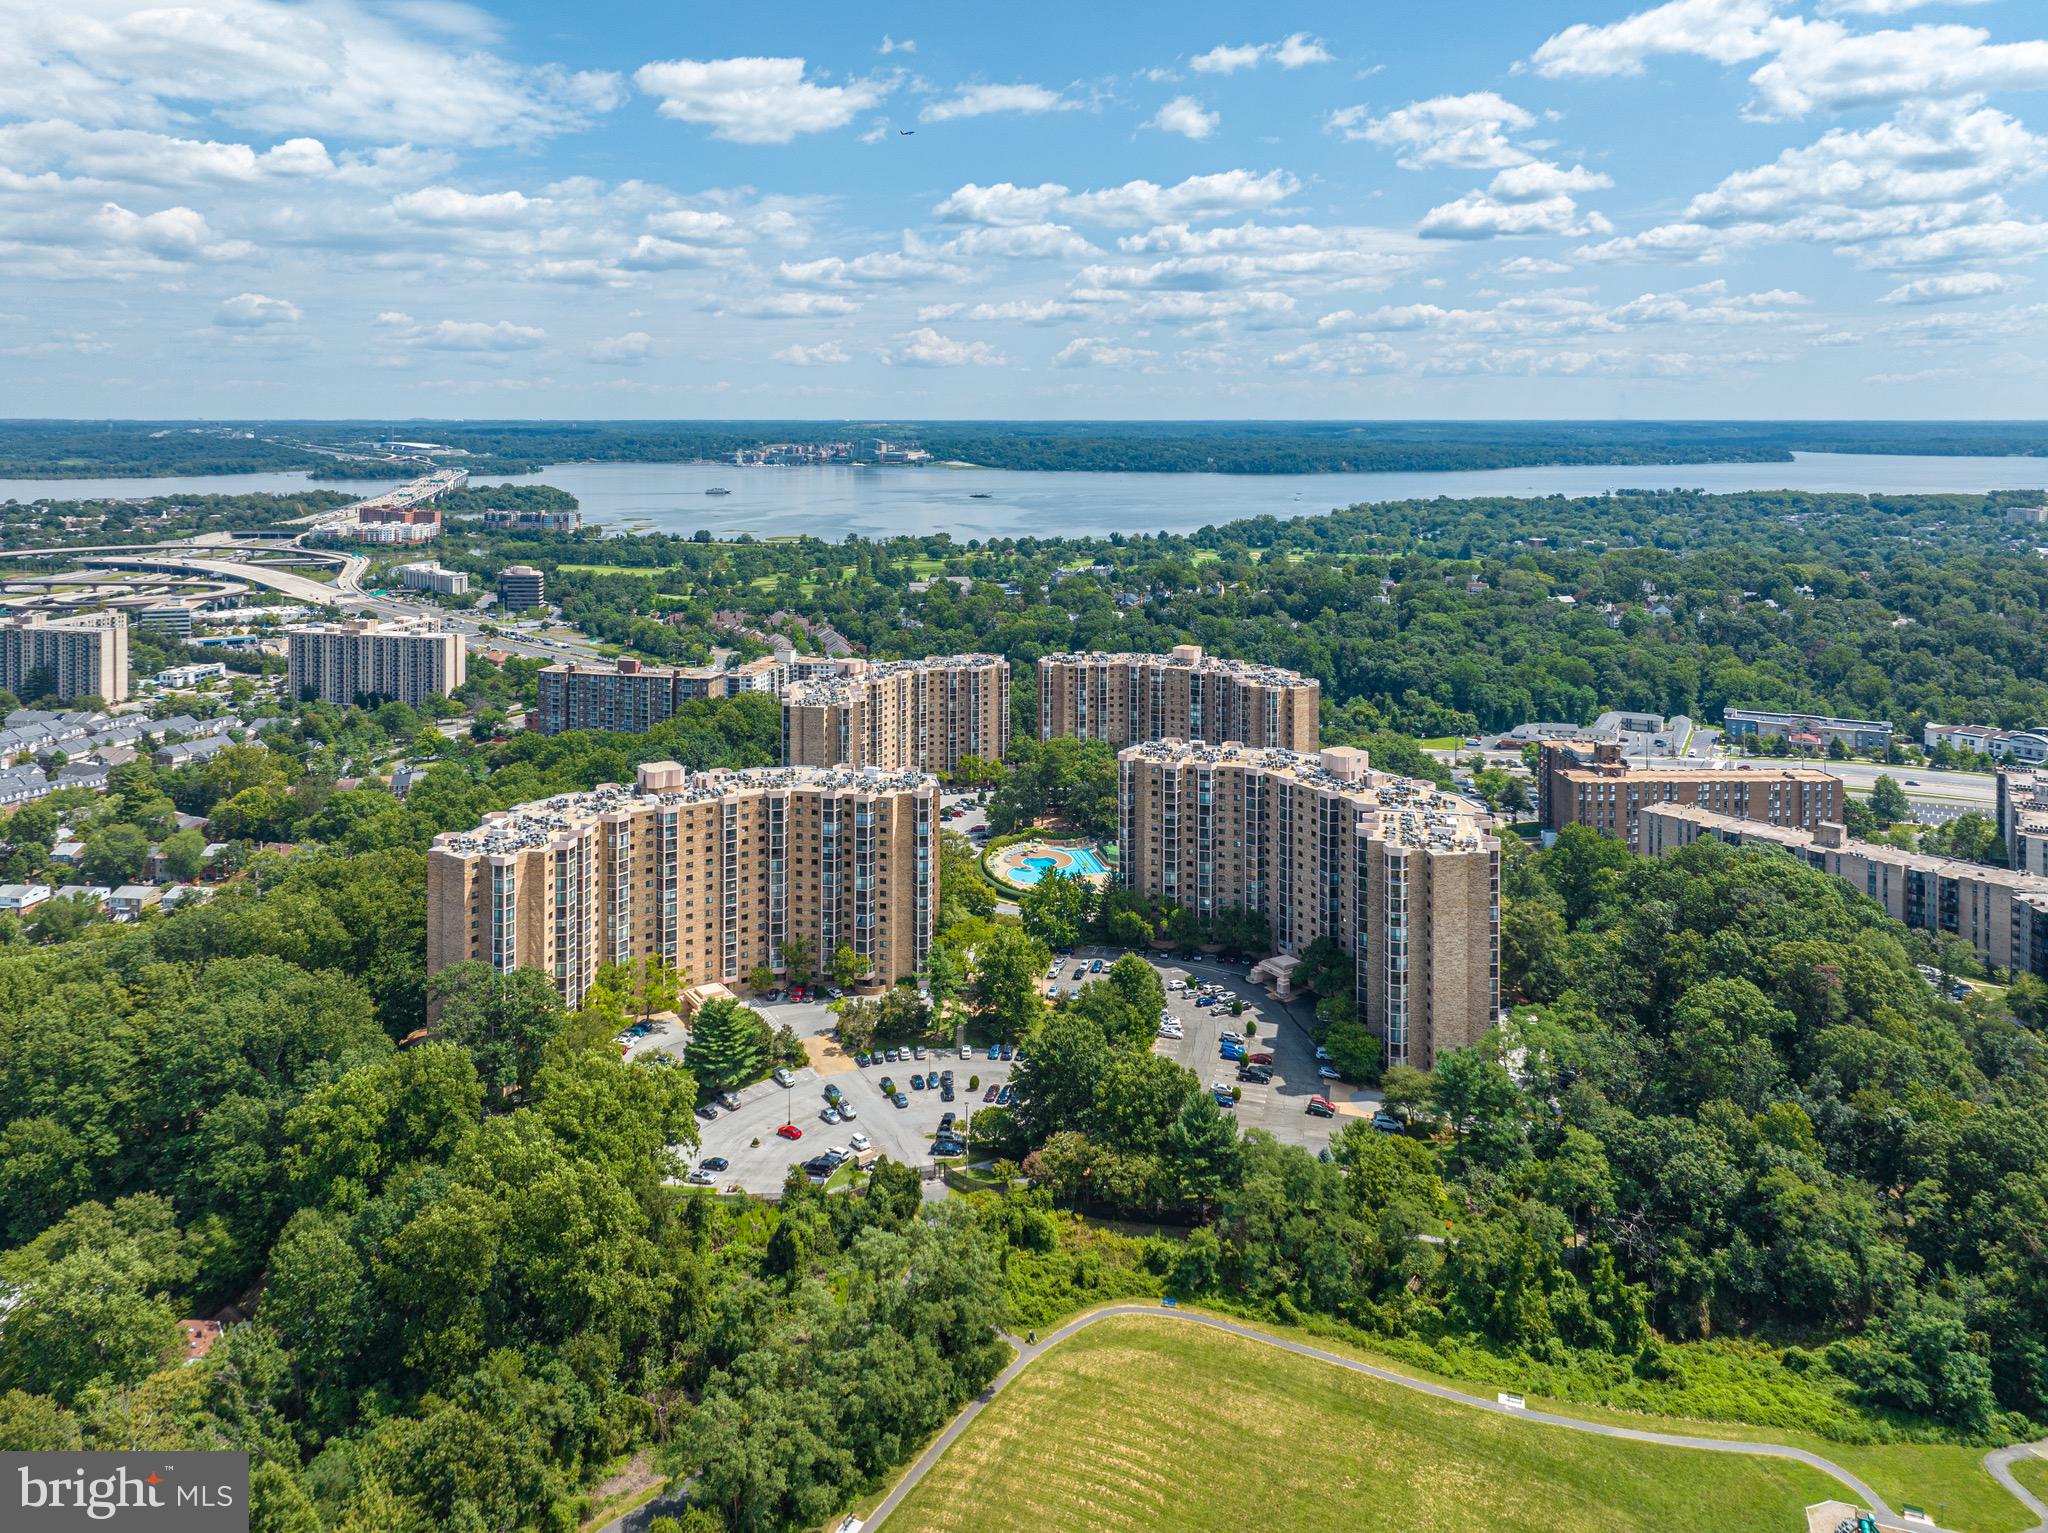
x=1142, y=1425
x=2033, y=1473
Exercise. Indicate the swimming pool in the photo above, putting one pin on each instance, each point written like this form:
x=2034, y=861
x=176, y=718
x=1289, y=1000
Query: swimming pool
x=1066, y=861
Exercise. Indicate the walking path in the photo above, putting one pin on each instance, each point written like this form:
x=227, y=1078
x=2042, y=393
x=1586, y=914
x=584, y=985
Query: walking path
x=1996, y=1463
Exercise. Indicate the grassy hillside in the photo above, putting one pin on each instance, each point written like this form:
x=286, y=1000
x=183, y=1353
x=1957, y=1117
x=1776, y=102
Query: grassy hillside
x=1141, y=1424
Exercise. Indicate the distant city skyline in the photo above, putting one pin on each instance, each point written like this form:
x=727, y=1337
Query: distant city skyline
x=1703, y=208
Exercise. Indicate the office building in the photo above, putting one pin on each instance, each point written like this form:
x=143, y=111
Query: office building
x=83, y=655
x=1592, y=783
x=2001, y=912
x=405, y=531
x=1808, y=731
x=535, y=521
x=366, y=661
x=1185, y=695
x=713, y=872
x=521, y=586
x=431, y=577
x=172, y=619
x=925, y=714
x=1403, y=877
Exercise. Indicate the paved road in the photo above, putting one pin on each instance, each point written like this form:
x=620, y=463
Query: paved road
x=1974, y=789
x=1027, y=1355
x=2000, y=1465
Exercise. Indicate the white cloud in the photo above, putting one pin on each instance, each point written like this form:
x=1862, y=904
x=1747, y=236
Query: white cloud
x=1291, y=52
x=1469, y=132
x=1727, y=31
x=159, y=159
x=255, y=311
x=897, y=45
x=1537, y=198
x=173, y=234
x=1947, y=289
x=824, y=354
x=1049, y=311
x=446, y=205
x=1027, y=242
x=1135, y=202
x=984, y=100
x=628, y=350
x=1349, y=358
x=754, y=100
x=1532, y=266
x=927, y=348
x=877, y=266
x=339, y=68
x=700, y=225
x=1187, y=117
x=461, y=335
x=1822, y=66
x=1093, y=351
x=1884, y=7
x=794, y=306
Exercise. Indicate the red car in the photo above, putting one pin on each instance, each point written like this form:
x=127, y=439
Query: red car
x=990, y=1094
x=790, y=1131
x=1260, y=1059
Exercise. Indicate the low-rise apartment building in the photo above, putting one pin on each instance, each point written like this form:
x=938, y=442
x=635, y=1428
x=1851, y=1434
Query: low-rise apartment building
x=432, y=577
x=2028, y=747
x=712, y=872
x=924, y=714
x=348, y=662
x=2002, y=913
x=81, y=655
x=1816, y=731
x=1404, y=877
x=1592, y=783
x=1185, y=695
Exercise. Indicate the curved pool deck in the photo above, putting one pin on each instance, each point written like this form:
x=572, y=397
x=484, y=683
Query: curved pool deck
x=1030, y=862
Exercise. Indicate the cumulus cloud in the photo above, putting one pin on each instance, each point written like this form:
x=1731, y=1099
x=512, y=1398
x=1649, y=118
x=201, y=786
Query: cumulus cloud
x=1822, y=66
x=794, y=306
x=1532, y=266
x=628, y=350
x=985, y=100
x=1468, y=132
x=461, y=335
x=1025, y=242
x=255, y=311
x=1187, y=117
x=446, y=205
x=1135, y=202
x=1727, y=31
x=1947, y=289
x=1291, y=52
x=1537, y=198
x=754, y=100
x=824, y=354
x=1093, y=351
x=927, y=348
x=897, y=45
x=172, y=234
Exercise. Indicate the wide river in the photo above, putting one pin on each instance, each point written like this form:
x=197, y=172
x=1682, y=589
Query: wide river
x=978, y=503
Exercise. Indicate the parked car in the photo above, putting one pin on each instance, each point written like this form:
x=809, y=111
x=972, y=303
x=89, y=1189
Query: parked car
x=888, y=1086
x=1223, y=1098
x=1095, y=967
x=1329, y=1072
x=917, y=1051
x=945, y=1122
x=833, y=1094
x=1003, y=1096
x=1387, y=1123
x=1257, y=1075
x=1229, y=1036
x=1260, y=1059
x=966, y=1052
x=990, y=1094
x=789, y=1131
x=830, y=1115
x=783, y=1079
x=946, y=1149
x=714, y=1163
x=902, y=1100
x=700, y=1178
x=917, y=1083
x=859, y=1142
x=946, y=1092
x=861, y=1060
x=1009, y=1051
x=728, y=1101
x=995, y=1051
x=707, y=1112
x=1318, y=1108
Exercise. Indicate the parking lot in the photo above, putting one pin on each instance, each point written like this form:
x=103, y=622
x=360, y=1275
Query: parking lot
x=761, y=1160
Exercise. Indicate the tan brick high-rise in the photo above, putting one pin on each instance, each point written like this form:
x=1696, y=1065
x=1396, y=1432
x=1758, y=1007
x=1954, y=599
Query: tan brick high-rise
x=1583, y=783
x=712, y=871
x=1185, y=695
x=1403, y=877
x=922, y=714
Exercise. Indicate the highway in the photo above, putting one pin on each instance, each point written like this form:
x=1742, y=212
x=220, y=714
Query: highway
x=1971, y=789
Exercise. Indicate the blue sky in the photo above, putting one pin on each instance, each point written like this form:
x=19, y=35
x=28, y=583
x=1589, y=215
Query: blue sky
x=1800, y=208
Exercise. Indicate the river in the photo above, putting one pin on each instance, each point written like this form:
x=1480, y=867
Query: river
x=979, y=503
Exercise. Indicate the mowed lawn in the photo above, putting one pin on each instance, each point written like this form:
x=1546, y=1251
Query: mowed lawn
x=1157, y=1426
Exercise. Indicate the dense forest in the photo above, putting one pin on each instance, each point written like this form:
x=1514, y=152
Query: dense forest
x=52, y=449
x=1430, y=618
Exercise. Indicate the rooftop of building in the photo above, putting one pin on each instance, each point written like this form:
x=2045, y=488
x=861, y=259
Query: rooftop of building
x=1593, y=762
x=1825, y=721
x=1404, y=810
x=414, y=627
x=817, y=691
x=626, y=666
x=529, y=827
x=1835, y=839
x=1187, y=657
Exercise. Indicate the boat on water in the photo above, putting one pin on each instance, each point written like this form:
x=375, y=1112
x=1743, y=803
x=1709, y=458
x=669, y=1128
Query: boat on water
x=718, y=489
x=981, y=495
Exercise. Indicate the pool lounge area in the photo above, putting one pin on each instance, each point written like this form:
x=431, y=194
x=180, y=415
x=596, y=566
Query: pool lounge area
x=1030, y=862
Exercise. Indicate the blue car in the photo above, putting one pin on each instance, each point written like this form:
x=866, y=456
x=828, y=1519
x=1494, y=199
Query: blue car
x=995, y=1051
x=1224, y=1099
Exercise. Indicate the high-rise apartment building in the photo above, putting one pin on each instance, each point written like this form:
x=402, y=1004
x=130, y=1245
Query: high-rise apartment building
x=82, y=655
x=1402, y=876
x=632, y=698
x=713, y=872
x=1185, y=695
x=2023, y=818
x=362, y=659
x=2001, y=912
x=925, y=714
x=1586, y=782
